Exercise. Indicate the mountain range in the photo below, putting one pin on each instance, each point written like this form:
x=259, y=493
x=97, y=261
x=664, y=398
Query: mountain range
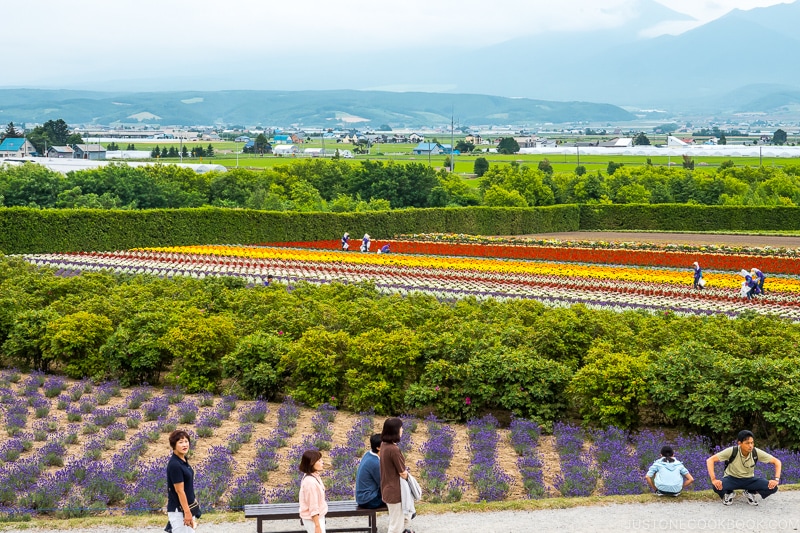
x=301, y=108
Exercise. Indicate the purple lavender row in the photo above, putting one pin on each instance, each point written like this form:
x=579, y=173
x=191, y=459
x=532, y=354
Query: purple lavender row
x=578, y=477
x=617, y=462
x=491, y=481
x=319, y=440
x=247, y=489
x=267, y=459
x=437, y=453
x=524, y=439
x=345, y=460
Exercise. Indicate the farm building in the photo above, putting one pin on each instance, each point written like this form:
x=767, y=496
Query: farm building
x=427, y=149
x=95, y=152
x=284, y=149
x=61, y=152
x=618, y=142
x=127, y=154
x=16, y=147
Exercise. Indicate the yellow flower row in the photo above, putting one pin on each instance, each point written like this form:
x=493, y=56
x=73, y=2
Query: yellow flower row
x=487, y=265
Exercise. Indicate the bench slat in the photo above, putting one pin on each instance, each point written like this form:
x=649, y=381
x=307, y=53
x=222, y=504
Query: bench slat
x=291, y=511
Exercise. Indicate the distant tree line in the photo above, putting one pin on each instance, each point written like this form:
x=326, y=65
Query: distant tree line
x=112, y=146
x=309, y=185
x=197, y=151
x=339, y=186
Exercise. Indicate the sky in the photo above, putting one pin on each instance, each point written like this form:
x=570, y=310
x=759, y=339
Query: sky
x=75, y=43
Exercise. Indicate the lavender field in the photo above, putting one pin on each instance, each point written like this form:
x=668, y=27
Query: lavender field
x=74, y=448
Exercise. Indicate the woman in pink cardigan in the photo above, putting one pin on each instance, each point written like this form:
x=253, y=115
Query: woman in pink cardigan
x=313, y=506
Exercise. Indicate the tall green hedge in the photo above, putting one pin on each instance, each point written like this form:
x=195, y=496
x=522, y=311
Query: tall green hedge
x=688, y=217
x=26, y=230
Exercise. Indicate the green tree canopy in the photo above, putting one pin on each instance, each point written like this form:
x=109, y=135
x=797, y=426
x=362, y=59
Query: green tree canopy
x=508, y=145
x=11, y=132
x=464, y=146
x=481, y=166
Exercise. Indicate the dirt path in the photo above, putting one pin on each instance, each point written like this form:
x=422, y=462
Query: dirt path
x=774, y=241
x=780, y=512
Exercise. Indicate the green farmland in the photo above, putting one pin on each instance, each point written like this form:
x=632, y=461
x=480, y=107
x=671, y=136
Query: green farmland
x=225, y=153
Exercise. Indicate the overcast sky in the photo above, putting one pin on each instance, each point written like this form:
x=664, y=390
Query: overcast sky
x=60, y=41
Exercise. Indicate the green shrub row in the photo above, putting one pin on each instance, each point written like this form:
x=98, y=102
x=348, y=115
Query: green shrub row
x=685, y=217
x=27, y=230
x=358, y=349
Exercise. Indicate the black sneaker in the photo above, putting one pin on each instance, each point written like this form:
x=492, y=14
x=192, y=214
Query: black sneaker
x=728, y=499
x=659, y=493
x=751, y=498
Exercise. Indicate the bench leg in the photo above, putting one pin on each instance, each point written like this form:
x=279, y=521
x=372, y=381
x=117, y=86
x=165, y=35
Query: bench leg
x=259, y=527
x=373, y=522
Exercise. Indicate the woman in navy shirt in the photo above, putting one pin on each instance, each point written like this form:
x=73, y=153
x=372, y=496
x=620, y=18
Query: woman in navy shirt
x=180, y=486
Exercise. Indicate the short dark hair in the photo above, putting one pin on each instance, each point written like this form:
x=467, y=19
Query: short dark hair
x=309, y=459
x=177, y=435
x=375, y=442
x=744, y=435
x=667, y=453
x=391, y=430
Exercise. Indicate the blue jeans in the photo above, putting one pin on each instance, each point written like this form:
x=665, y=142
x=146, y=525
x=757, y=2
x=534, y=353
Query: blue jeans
x=373, y=504
x=750, y=484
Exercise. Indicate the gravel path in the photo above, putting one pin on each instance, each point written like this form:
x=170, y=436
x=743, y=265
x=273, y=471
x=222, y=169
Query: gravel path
x=780, y=512
x=676, y=238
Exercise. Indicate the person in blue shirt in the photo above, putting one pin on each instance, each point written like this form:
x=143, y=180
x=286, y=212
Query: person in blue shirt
x=365, y=241
x=346, y=241
x=668, y=476
x=368, y=476
x=384, y=249
x=750, y=283
x=698, y=275
x=759, y=277
x=182, y=507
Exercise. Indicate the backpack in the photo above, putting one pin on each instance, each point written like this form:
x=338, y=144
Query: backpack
x=735, y=452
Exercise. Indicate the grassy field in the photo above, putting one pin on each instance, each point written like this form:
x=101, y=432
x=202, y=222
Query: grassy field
x=226, y=154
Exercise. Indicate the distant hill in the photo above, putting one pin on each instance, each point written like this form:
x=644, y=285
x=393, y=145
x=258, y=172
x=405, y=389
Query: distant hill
x=303, y=108
x=691, y=72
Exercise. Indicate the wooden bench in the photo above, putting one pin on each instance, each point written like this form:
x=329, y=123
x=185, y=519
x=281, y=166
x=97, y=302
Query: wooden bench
x=291, y=511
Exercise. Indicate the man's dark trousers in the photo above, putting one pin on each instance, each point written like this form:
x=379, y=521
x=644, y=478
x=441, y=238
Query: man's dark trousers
x=750, y=484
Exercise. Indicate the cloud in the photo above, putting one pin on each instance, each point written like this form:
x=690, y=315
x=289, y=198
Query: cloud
x=84, y=40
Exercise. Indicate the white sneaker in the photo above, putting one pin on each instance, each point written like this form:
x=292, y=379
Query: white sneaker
x=728, y=498
x=751, y=498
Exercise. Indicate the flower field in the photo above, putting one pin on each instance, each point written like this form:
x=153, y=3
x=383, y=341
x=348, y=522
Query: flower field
x=72, y=448
x=598, y=277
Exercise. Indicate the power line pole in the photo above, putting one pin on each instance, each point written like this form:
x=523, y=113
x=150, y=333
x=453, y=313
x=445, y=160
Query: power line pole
x=452, y=146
